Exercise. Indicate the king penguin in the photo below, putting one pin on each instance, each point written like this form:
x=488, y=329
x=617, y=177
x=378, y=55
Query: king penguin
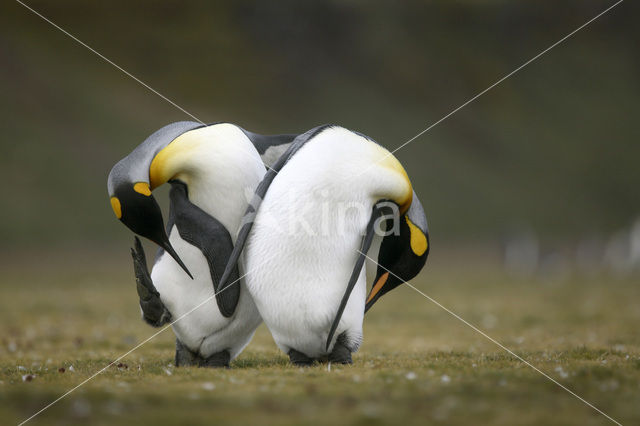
x=307, y=233
x=212, y=169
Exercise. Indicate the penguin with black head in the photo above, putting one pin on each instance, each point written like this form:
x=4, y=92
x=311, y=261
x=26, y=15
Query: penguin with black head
x=308, y=282
x=210, y=168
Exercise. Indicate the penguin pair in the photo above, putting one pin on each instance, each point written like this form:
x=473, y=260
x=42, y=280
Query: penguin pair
x=307, y=284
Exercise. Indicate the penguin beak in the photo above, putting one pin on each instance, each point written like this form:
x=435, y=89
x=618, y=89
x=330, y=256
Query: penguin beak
x=166, y=245
x=140, y=212
x=400, y=259
x=376, y=290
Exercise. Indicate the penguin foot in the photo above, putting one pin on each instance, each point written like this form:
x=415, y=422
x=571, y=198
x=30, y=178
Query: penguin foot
x=184, y=357
x=217, y=360
x=341, y=354
x=153, y=310
x=299, y=359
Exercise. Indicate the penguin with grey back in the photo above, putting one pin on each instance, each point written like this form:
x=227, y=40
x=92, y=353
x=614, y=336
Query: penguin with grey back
x=310, y=286
x=209, y=167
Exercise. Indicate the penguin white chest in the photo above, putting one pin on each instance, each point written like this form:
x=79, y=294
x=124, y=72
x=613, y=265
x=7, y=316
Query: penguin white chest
x=306, y=237
x=299, y=259
x=200, y=326
x=298, y=286
x=181, y=295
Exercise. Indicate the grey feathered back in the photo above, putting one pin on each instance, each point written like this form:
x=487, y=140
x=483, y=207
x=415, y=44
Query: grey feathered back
x=135, y=166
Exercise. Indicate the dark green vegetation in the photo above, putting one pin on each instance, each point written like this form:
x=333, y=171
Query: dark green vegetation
x=418, y=364
x=555, y=147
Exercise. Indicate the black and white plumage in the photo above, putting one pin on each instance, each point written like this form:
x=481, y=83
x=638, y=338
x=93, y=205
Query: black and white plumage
x=308, y=282
x=213, y=170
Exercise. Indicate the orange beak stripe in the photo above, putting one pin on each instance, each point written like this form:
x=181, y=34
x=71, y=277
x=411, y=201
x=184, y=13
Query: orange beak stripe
x=377, y=286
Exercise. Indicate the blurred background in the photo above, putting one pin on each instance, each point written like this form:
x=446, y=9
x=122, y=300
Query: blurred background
x=542, y=170
x=531, y=193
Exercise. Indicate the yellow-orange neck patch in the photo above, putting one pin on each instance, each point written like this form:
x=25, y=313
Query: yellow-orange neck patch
x=418, y=239
x=171, y=159
x=390, y=162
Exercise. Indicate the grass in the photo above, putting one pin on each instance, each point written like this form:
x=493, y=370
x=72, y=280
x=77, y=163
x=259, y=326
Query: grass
x=418, y=364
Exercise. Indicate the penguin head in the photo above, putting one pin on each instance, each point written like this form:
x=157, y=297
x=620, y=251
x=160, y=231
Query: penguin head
x=134, y=206
x=404, y=250
x=130, y=185
x=402, y=253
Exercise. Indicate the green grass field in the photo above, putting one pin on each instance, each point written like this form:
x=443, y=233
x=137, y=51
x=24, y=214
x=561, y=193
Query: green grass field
x=418, y=364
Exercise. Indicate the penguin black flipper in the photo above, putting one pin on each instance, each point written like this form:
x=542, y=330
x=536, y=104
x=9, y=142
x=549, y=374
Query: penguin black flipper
x=206, y=233
x=364, y=248
x=153, y=310
x=252, y=210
